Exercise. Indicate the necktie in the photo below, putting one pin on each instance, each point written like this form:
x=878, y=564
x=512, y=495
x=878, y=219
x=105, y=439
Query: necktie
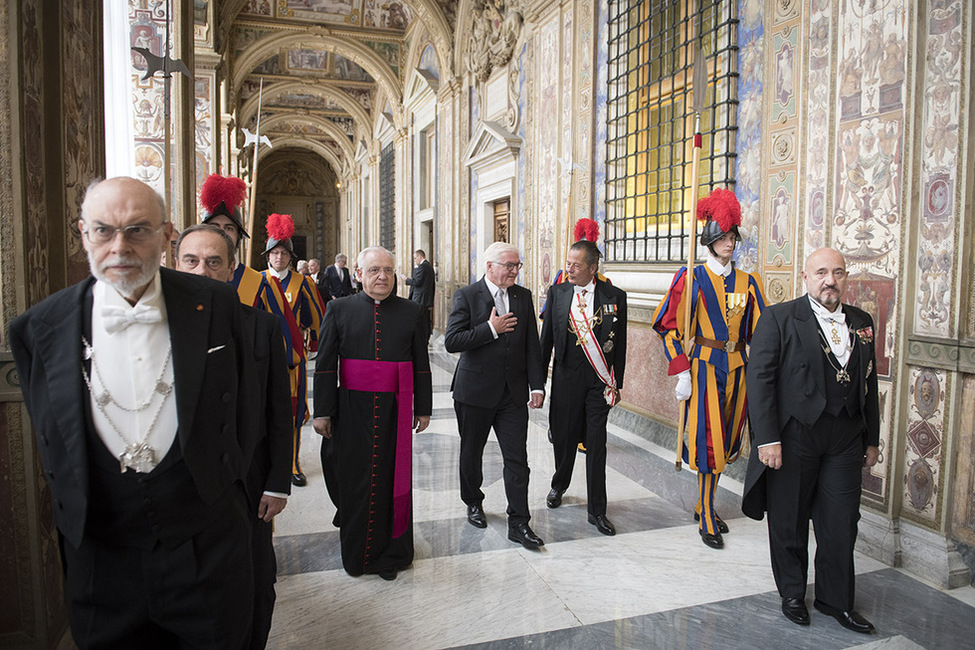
x=116, y=319
x=499, y=303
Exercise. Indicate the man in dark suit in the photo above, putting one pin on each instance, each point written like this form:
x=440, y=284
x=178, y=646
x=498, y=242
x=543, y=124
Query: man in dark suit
x=140, y=388
x=585, y=326
x=338, y=279
x=208, y=251
x=815, y=421
x=318, y=277
x=493, y=326
x=422, y=283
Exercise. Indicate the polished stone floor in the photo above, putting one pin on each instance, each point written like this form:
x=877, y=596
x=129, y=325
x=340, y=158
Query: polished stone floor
x=653, y=585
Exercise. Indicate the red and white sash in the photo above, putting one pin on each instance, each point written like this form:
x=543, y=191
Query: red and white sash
x=583, y=327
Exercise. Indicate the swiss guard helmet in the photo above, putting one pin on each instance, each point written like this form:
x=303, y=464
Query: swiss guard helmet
x=721, y=213
x=223, y=195
x=585, y=234
x=280, y=228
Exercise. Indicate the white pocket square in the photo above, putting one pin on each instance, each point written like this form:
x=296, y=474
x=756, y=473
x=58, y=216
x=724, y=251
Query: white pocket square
x=219, y=347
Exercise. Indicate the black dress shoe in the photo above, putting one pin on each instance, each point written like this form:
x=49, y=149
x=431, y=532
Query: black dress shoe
x=714, y=541
x=602, y=524
x=299, y=480
x=851, y=620
x=475, y=516
x=795, y=610
x=388, y=574
x=554, y=498
x=722, y=527
x=525, y=536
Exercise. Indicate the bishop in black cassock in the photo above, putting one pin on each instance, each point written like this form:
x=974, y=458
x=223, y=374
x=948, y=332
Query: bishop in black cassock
x=372, y=387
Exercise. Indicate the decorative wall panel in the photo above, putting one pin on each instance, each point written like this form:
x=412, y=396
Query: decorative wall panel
x=940, y=151
x=749, y=172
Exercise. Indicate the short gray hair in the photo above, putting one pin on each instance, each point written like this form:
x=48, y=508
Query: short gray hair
x=372, y=249
x=494, y=252
x=340, y=257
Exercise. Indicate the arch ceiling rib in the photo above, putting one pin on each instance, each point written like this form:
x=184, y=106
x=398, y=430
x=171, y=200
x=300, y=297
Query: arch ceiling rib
x=322, y=39
x=309, y=145
x=327, y=91
x=327, y=126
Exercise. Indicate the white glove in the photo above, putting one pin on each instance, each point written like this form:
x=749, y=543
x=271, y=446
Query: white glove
x=683, y=389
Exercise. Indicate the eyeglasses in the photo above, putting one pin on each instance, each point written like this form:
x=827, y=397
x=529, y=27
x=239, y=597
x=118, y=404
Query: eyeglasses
x=511, y=266
x=99, y=233
x=375, y=270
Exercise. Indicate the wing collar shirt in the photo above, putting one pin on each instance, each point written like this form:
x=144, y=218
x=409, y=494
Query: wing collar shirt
x=128, y=363
x=834, y=321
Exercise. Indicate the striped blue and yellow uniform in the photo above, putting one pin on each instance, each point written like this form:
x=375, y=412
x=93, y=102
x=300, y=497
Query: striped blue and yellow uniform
x=726, y=309
x=308, y=310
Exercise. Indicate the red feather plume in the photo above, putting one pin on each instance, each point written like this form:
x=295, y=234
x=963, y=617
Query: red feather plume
x=218, y=189
x=280, y=226
x=721, y=206
x=586, y=229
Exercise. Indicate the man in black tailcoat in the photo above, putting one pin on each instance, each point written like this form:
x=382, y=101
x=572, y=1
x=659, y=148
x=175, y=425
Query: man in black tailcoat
x=492, y=325
x=139, y=384
x=815, y=421
x=585, y=329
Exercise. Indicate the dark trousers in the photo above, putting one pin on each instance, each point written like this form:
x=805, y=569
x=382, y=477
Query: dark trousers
x=578, y=413
x=819, y=479
x=510, y=421
x=265, y=575
x=199, y=594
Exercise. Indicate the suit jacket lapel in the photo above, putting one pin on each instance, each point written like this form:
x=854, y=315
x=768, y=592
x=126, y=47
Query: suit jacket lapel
x=189, y=324
x=59, y=342
x=856, y=324
x=563, y=302
x=808, y=329
x=602, y=298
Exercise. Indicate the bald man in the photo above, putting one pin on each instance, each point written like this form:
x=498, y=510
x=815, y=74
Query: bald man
x=815, y=421
x=138, y=381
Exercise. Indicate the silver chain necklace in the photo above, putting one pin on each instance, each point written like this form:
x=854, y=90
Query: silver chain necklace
x=139, y=456
x=842, y=376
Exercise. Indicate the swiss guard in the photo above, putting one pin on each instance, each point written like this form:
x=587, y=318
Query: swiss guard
x=710, y=368
x=221, y=198
x=306, y=305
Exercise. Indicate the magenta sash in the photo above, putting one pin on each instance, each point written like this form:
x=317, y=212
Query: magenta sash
x=390, y=377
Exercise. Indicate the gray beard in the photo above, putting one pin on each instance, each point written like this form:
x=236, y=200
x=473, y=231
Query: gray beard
x=127, y=286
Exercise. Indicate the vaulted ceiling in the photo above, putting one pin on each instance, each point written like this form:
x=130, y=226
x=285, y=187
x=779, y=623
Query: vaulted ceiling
x=328, y=67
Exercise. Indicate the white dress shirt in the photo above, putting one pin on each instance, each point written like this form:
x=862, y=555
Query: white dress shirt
x=579, y=299
x=830, y=321
x=493, y=290
x=127, y=365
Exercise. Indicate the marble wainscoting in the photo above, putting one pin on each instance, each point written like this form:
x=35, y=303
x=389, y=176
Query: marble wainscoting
x=652, y=585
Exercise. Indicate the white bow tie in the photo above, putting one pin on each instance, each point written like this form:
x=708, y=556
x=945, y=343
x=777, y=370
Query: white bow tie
x=837, y=316
x=116, y=319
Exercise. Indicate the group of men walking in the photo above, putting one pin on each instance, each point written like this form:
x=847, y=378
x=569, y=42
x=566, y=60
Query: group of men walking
x=168, y=407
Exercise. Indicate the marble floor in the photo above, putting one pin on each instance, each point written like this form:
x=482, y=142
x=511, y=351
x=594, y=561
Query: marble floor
x=653, y=585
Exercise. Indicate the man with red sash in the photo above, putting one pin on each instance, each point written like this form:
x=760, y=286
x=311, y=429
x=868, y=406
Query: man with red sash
x=306, y=306
x=585, y=327
x=711, y=375
x=372, y=388
x=221, y=198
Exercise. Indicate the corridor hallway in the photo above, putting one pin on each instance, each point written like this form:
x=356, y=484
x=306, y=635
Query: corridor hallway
x=654, y=585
